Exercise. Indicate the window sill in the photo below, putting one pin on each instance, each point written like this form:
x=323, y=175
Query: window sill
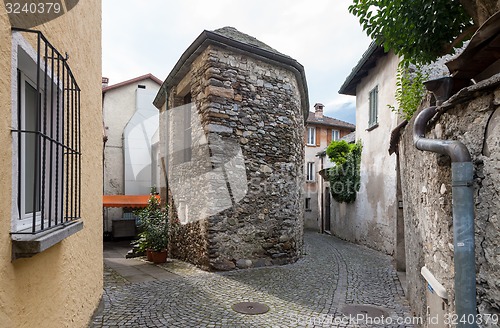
x=372, y=127
x=310, y=181
x=311, y=145
x=30, y=245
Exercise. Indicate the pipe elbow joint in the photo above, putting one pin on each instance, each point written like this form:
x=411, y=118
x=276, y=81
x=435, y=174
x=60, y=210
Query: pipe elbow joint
x=456, y=150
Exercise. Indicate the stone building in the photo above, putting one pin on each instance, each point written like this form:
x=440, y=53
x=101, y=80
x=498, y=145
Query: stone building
x=320, y=131
x=232, y=115
x=51, y=272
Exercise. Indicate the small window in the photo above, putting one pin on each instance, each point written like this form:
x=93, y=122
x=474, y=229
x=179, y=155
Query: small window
x=335, y=135
x=310, y=171
x=373, y=110
x=308, y=204
x=311, y=136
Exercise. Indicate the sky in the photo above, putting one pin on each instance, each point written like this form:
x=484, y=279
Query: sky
x=149, y=36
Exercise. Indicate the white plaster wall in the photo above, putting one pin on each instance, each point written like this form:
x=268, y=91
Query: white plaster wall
x=376, y=205
x=155, y=158
x=137, y=137
x=371, y=220
x=119, y=106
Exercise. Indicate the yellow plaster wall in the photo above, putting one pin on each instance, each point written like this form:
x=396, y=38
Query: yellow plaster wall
x=62, y=286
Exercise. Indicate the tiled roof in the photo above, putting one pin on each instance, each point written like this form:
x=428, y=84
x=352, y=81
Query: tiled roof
x=350, y=138
x=329, y=121
x=134, y=80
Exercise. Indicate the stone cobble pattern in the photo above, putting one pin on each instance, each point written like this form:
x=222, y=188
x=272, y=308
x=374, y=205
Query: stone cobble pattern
x=308, y=293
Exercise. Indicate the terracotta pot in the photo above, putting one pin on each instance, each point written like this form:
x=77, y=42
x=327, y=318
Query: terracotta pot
x=149, y=255
x=159, y=257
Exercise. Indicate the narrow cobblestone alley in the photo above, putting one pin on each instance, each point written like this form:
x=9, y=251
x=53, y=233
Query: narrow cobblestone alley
x=316, y=291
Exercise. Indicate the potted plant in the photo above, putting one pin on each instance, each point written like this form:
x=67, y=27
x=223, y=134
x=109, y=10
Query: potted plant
x=154, y=237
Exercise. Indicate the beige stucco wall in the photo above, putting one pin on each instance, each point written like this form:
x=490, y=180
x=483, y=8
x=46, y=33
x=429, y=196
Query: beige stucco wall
x=62, y=286
x=371, y=219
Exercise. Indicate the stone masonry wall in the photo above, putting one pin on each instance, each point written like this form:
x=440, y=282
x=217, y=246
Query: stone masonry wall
x=248, y=157
x=473, y=118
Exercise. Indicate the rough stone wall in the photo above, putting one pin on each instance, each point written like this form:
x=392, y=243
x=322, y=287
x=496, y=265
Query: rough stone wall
x=249, y=147
x=473, y=118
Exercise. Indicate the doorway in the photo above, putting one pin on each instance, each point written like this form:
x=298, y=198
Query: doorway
x=326, y=216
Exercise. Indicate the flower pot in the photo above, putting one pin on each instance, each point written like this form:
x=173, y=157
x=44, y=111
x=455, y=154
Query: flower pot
x=159, y=257
x=149, y=255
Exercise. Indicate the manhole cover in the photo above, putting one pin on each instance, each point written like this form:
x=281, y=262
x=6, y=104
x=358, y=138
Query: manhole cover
x=250, y=308
x=364, y=311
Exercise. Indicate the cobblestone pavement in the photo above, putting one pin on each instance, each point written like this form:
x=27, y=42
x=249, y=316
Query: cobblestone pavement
x=313, y=292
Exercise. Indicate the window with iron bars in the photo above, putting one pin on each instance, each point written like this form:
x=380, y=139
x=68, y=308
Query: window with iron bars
x=46, y=136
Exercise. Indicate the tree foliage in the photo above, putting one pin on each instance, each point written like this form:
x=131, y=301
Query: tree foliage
x=419, y=31
x=344, y=177
x=410, y=90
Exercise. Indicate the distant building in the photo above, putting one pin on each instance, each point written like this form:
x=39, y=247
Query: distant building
x=131, y=126
x=232, y=123
x=51, y=162
x=320, y=131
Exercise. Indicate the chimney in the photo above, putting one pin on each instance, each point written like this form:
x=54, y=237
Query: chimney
x=318, y=110
x=105, y=82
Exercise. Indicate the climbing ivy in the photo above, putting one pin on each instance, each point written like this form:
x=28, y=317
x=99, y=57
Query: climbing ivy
x=344, y=177
x=409, y=89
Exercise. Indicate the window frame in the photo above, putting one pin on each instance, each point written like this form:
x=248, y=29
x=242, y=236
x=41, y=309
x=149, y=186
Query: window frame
x=307, y=204
x=57, y=175
x=310, y=173
x=373, y=107
x=311, y=137
x=337, y=133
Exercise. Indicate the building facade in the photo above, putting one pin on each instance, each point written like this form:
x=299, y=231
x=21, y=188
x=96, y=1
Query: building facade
x=51, y=242
x=131, y=128
x=320, y=131
x=232, y=123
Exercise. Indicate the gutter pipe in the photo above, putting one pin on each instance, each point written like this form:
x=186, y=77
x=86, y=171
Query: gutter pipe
x=463, y=204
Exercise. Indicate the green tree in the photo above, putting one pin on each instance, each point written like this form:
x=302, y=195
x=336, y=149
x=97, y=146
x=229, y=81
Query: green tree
x=344, y=177
x=418, y=31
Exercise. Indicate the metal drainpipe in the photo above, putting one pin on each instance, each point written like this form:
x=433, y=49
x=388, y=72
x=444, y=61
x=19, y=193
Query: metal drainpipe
x=462, y=206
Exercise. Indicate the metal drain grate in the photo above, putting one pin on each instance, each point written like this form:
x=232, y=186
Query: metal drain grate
x=366, y=311
x=250, y=308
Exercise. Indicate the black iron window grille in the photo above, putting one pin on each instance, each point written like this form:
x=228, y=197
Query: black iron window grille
x=48, y=138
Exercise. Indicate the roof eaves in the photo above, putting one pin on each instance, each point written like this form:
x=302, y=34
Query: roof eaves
x=134, y=80
x=361, y=69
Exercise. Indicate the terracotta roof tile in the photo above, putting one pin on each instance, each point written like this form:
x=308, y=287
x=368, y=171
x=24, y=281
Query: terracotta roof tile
x=134, y=80
x=329, y=121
